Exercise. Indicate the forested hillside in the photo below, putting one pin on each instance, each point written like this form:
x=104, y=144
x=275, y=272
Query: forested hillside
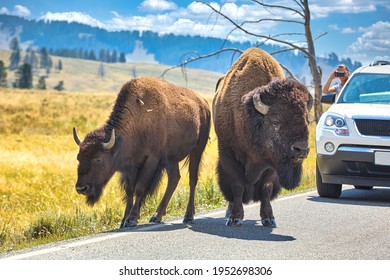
x=163, y=49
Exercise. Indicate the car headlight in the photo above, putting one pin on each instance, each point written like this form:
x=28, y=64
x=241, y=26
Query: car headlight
x=337, y=124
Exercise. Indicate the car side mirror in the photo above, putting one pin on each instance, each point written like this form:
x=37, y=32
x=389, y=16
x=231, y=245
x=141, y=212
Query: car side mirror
x=328, y=98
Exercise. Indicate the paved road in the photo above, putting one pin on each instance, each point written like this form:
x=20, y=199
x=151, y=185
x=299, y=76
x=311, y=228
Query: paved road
x=354, y=227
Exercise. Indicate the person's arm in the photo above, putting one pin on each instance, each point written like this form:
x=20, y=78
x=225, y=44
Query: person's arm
x=327, y=88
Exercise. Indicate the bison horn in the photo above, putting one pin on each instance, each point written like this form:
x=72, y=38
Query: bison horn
x=75, y=137
x=259, y=105
x=108, y=146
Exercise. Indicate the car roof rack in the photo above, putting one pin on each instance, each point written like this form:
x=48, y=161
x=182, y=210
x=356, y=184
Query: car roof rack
x=379, y=62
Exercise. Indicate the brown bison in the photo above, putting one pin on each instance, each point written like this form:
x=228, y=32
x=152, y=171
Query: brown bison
x=261, y=121
x=153, y=126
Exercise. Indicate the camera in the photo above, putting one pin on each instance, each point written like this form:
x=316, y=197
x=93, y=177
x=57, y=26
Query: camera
x=340, y=74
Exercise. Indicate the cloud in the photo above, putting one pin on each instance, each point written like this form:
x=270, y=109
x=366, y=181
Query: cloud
x=374, y=42
x=334, y=27
x=348, y=30
x=323, y=8
x=18, y=10
x=157, y=6
x=195, y=19
x=4, y=11
x=164, y=16
x=72, y=17
x=22, y=11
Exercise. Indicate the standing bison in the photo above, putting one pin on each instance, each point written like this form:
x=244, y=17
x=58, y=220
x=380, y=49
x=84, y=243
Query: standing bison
x=153, y=126
x=261, y=121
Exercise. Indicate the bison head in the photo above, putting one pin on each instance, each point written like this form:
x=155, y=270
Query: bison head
x=96, y=164
x=279, y=117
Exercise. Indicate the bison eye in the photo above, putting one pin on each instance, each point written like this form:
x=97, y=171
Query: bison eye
x=97, y=160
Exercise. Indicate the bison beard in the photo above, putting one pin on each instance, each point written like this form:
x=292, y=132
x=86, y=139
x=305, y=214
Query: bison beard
x=289, y=176
x=91, y=199
x=261, y=121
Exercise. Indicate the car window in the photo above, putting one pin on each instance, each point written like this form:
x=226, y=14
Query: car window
x=367, y=88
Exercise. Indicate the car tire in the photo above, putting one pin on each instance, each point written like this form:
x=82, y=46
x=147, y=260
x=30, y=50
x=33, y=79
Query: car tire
x=363, y=187
x=327, y=190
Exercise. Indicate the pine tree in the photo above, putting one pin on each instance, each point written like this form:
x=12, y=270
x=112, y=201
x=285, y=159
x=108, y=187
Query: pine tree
x=91, y=55
x=44, y=58
x=85, y=55
x=41, y=83
x=14, y=44
x=122, y=58
x=15, y=56
x=3, y=75
x=31, y=58
x=80, y=53
x=25, y=76
x=59, y=66
x=103, y=55
x=59, y=86
x=114, y=57
x=101, y=71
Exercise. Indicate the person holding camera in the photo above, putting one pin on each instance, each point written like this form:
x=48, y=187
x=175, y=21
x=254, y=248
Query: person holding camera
x=341, y=72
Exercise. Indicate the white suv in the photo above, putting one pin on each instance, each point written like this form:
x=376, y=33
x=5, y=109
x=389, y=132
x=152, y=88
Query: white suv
x=353, y=136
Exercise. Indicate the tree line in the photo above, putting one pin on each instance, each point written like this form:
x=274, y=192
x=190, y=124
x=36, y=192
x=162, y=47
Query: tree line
x=35, y=59
x=104, y=55
x=26, y=67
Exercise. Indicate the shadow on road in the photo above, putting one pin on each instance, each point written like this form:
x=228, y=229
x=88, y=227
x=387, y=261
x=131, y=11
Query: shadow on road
x=375, y=197
x=250, y=230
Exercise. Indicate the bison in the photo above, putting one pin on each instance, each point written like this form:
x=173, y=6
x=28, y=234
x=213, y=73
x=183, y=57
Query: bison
x=261, y=120
x=152, y=127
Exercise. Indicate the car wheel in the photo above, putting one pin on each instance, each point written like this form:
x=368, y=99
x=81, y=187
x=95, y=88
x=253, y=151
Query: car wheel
x=327, y=190
x=363, y=187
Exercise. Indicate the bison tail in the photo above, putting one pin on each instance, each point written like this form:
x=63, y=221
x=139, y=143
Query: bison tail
x=196, y=154
x=155, y=178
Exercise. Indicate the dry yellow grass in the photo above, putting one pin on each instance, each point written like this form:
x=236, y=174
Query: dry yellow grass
x=38, y=201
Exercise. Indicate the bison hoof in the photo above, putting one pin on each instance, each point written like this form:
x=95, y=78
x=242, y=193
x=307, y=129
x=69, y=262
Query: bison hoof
x=129, y=224
x=155, y=220
x=234, y=222
x=188, y=220
x=269, y=223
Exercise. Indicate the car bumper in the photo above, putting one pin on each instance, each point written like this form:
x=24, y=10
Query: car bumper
x=360, y=166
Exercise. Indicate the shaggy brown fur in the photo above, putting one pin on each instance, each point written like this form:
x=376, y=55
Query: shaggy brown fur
x=157, y=125
x=259, y=153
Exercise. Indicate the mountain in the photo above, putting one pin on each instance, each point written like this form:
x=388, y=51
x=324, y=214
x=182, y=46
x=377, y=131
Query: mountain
x=147, y=46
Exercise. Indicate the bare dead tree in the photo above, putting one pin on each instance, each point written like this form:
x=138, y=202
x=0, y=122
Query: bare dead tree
x=302, y=12
x=194, y=56
x=302, y=17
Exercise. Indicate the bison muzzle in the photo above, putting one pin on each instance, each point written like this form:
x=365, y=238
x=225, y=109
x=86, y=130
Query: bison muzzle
x=261, y=120
x=153, y=126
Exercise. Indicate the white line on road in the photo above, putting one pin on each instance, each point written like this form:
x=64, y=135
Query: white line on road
x=120, y=234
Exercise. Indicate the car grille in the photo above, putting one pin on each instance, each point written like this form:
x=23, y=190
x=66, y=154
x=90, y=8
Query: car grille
x=373, y=127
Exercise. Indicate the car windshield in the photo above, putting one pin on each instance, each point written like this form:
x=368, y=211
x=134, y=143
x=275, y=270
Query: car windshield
x=367, y=88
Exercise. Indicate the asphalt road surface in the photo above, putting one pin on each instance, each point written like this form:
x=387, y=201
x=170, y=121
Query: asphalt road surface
x=354, y=227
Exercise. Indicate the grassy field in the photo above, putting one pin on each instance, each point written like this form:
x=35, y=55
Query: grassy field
x=87, y=79
x=38, y=201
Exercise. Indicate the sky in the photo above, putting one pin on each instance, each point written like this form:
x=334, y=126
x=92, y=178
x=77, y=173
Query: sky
x=358, y=29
